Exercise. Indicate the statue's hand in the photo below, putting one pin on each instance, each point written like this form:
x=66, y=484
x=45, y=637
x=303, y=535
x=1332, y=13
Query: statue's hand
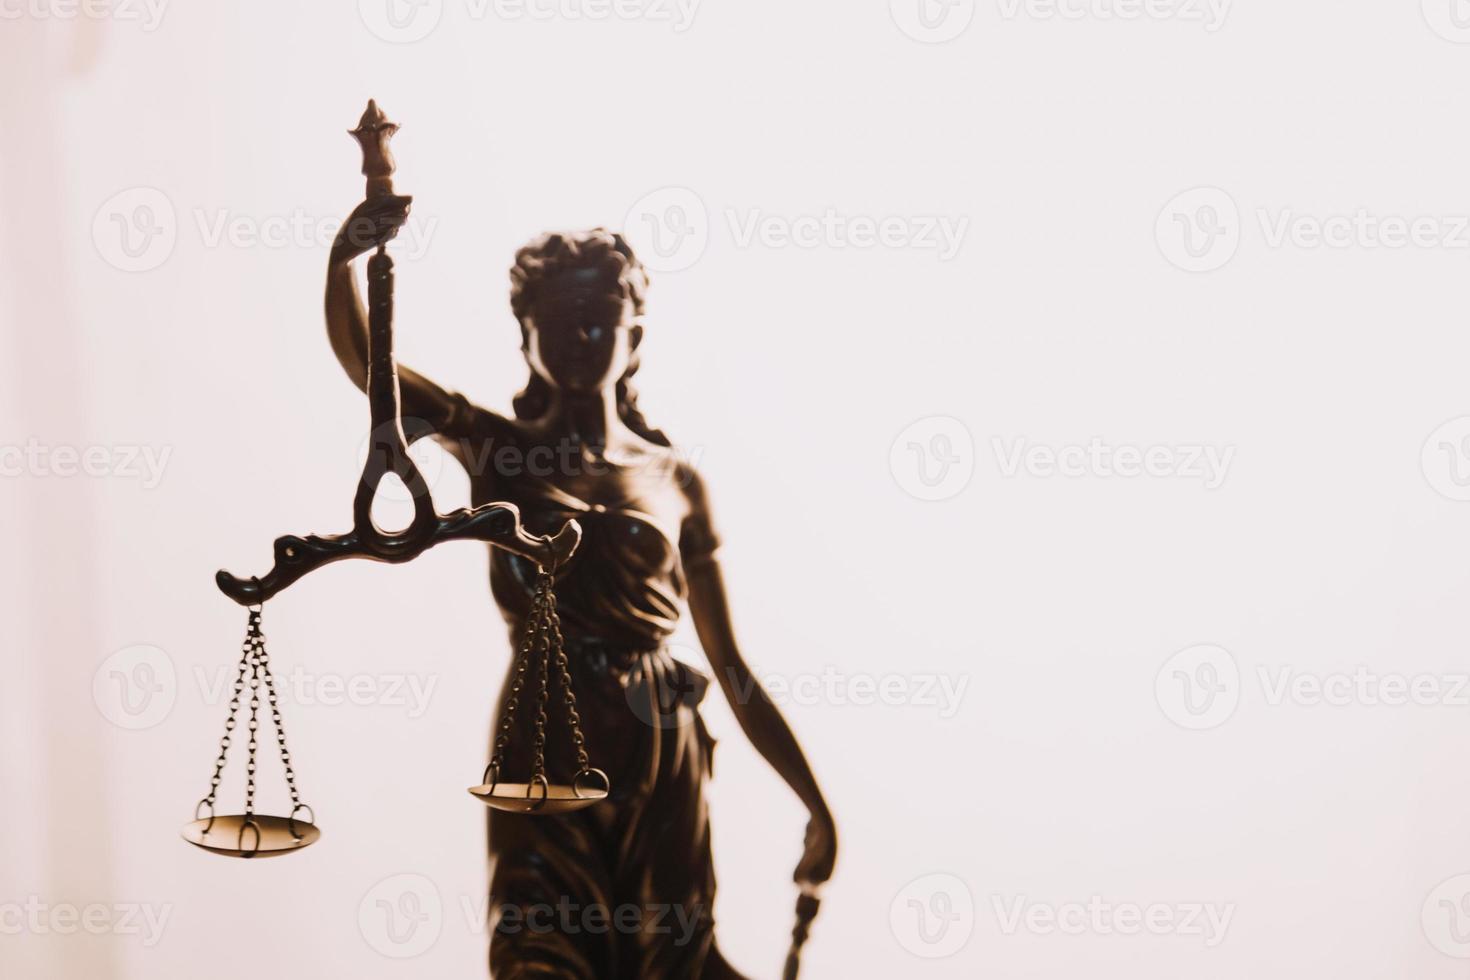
x=372, y=223
x=820, y=855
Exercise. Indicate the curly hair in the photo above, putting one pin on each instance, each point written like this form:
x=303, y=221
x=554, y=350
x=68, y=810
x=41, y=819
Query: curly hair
x=596, y=258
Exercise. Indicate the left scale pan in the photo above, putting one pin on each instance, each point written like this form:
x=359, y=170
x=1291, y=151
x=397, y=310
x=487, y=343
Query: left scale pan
x=259, y=836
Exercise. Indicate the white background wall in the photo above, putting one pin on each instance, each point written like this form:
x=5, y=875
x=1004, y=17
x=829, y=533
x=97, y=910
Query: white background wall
x=1078, y=766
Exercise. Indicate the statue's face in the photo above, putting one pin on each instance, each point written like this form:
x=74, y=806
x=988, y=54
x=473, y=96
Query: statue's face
x=580, y=341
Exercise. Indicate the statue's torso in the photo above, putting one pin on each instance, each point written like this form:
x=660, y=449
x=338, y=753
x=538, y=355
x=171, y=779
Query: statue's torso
x=625, y=584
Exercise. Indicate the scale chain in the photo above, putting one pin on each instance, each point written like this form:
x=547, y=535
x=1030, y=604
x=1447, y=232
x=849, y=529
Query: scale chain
x=523, y=658
x=253, y=670
x=263, y=659
x=542, y=649
x=574, y=719
x=254, y=726
x=230, y=722
x=543, y=695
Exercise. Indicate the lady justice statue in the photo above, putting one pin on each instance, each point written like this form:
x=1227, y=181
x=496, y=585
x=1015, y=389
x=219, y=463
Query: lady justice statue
x=577, y=447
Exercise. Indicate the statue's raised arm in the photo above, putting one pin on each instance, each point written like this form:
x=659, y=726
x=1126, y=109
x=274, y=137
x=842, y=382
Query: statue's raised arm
x=496, y=523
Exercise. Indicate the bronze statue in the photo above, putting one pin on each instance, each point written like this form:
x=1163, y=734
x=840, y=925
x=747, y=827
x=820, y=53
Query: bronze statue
x=600, y=532
x=576, y=482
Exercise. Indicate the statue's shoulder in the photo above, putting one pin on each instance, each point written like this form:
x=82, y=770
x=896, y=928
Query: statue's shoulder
x=483, y=423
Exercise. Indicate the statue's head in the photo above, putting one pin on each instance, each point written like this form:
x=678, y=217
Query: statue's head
x=579, y=298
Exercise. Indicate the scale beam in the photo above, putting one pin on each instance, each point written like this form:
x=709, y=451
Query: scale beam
x=496, y=523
